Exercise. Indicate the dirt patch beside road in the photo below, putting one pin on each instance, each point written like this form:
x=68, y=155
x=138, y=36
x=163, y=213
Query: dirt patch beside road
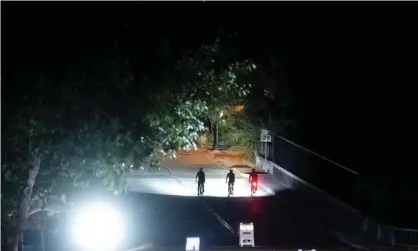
x=206, y=156
x=230, y=155
x=193, y=158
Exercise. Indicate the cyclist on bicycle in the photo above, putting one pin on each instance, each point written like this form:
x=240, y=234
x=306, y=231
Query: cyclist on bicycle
x=253, y=176
x=200, y=178
x=230, y=179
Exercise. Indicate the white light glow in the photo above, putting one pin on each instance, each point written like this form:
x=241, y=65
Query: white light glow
x=192, y=243
x=98, y=227
x=214, y=187
x=246, y=227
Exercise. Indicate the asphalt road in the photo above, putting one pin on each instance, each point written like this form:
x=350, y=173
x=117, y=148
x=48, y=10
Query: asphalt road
x=180, y=180
x=164, y=209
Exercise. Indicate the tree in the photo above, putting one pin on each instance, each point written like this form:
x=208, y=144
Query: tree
x=225, y=82
x=22, y=159
x=60, y=139
x=199, y=85
x=267, y=106
x=83, y=127
x=239, y=130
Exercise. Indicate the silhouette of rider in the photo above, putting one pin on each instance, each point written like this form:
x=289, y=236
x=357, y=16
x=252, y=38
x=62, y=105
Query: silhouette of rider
x=230, y=178
x=253, y=176
x=200, y=177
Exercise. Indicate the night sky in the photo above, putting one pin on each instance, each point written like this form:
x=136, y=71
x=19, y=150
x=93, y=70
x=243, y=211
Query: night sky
x=351, y=66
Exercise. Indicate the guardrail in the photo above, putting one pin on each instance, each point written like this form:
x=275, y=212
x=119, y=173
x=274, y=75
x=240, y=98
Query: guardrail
x=315, y=174
x=406, y=237
x=332, y=212
x=311, y=167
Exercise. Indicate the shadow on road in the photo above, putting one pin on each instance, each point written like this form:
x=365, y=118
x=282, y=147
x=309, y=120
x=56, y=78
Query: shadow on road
x=281, y=220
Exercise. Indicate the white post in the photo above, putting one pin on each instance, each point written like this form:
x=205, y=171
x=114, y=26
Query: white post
x=265, y=137
x=21, y=242
x=42, y=240
x=246, y=234
x=267, y=151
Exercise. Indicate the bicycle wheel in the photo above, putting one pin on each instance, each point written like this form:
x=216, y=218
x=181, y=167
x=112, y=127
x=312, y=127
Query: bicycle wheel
x=201, y=189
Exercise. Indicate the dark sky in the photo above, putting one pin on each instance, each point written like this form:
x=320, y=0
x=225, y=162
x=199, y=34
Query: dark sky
x=352, y=65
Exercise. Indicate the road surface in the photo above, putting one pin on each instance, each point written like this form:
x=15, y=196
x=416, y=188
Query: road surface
x=179, y=180
x=165, y=209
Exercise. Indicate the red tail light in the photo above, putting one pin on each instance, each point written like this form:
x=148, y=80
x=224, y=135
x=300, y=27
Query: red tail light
x=254, y=184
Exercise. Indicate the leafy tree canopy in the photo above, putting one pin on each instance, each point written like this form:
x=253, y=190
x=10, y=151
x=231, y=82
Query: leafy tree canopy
x=84, y=125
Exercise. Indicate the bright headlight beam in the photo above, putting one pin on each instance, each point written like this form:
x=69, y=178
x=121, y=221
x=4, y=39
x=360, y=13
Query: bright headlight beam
x=98, y=227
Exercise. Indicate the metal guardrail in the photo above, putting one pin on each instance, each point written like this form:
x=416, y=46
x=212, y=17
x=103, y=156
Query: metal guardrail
x=353, y=221
x=406, y=237
x=308, y=167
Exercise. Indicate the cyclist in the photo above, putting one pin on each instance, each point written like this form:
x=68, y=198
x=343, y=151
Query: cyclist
x=200, y=178
x=230, y=179
x=253, y=177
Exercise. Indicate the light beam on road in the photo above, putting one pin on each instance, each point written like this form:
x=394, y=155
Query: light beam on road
x=186, y=186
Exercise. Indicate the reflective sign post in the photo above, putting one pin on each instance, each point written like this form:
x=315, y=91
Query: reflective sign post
x=246, y=234
x=265, y=138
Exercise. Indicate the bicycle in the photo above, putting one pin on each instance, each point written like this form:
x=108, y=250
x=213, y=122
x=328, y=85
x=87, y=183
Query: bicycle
x=253, y=185
x=200, y=188
x=230, y=189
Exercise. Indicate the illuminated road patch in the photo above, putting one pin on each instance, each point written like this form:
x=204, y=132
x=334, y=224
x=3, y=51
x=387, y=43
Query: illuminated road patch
x=181, y=181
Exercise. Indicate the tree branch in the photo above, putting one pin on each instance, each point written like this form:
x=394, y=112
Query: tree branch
x=41, y=210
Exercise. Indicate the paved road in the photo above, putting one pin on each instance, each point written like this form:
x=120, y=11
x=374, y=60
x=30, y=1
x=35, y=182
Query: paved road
x=167, y=210
x=179, y=180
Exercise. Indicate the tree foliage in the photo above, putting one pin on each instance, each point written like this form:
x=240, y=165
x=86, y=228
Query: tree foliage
x=238, y=130
x=267, y=106
x=202, y=84
x=60, y=139
x=82, y=127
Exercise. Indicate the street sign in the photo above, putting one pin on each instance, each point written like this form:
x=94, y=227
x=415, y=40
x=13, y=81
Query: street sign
x=192, y=243
x=265, y=136
x=246, y=234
